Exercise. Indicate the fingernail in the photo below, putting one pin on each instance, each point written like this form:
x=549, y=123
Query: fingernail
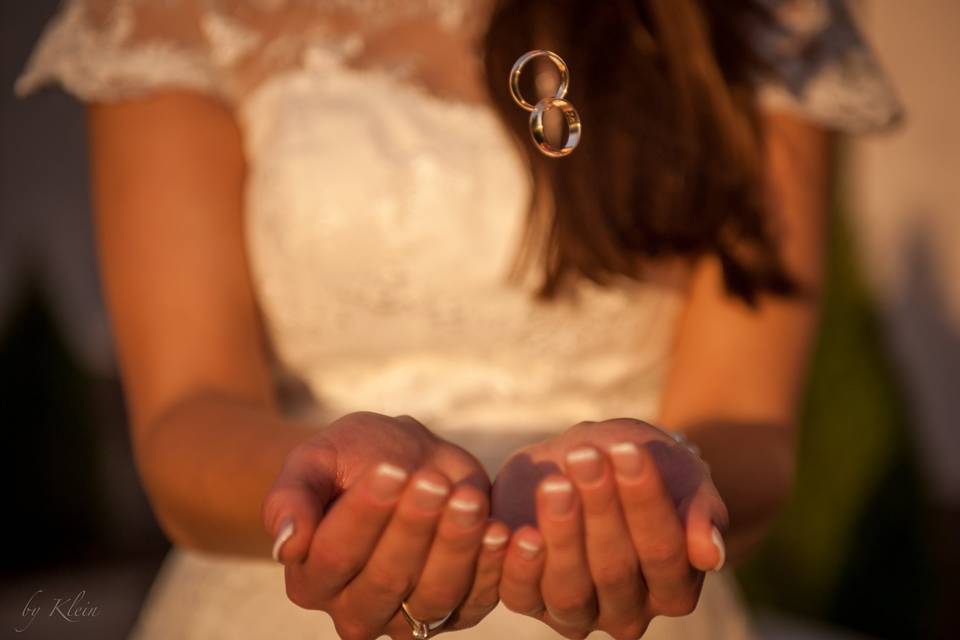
x=429, y=495
x=286, y=531
x=721, y=548
x=465, y=512
x=528, y=548
x=585, y=464
x=388, y=481
x=626, y=459
x=558, y=494
x=495, y=540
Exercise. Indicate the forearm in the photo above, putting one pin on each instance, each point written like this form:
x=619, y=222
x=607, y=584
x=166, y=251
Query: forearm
x=207, y=463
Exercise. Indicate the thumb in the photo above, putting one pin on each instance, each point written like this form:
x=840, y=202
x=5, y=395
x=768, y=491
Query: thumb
x=705, y=520
x=296, y=502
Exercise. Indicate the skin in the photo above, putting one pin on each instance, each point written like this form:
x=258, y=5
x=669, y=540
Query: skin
x=225, y=471
x=626, y=538
x=737, y=374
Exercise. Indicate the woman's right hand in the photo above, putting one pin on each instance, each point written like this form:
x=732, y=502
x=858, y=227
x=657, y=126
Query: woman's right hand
x=375, y=510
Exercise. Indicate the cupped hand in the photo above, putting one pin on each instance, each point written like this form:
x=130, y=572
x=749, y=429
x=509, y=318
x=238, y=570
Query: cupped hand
x=376, y=510
x=615, y=523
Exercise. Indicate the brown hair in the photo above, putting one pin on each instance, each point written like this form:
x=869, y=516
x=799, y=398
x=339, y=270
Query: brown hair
x=670, y=161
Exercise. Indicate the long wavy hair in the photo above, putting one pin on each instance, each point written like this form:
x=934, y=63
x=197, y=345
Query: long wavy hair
x=670, y=164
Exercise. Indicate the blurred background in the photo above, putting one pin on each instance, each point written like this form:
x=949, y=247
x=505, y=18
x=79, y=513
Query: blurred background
x=870, y=544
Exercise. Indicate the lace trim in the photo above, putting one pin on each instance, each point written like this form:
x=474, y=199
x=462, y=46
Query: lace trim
x=98, y=64
x=113, y=49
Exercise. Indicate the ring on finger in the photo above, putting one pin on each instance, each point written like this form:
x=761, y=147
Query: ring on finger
x=421, y=628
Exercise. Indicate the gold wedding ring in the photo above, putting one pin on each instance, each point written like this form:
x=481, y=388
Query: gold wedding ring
x=557, y=101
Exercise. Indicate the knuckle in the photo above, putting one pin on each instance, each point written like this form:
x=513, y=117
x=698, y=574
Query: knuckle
x=408, y=419
x=485, y=599
x=272, y=503
x=362, y=420
x=351, y=630
x=664, y=555
x=630, y=631
x=572, y=607
x=409, y=423
x=300, y=595
x=519, y=606
x=361, y=416
x=510, y=603
x=460, y=463
x=575, y=634
x=440, y=596
x=629, y=422
x=309, y=456
x=680, y=605
x=333, y=564
x=389, y=583
x=615, y=574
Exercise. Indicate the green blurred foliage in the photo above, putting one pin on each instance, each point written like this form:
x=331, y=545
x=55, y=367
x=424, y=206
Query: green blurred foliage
x=848, y=547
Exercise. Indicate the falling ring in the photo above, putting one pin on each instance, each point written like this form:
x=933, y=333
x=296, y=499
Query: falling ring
x=518, y=69
x=572, y=119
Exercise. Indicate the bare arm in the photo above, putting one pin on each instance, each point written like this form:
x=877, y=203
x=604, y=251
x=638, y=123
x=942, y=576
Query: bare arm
x=737, y=373
x=168, y=175
x=222, y=467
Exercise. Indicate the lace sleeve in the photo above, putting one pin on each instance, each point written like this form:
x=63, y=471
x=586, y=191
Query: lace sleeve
x=820, y=66
x=112, y=49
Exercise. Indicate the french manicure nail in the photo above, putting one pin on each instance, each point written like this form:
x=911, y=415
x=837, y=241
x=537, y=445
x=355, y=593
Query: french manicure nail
x=559, y=495
x=388, y=481
x=284, y=534
x=585, y=463
x=528, y=548
x=626, y=459
x=721, y=548
x=465, y=512
x=429, y=495
x=495, y=540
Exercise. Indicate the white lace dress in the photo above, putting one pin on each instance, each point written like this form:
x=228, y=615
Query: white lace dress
x=384, y=203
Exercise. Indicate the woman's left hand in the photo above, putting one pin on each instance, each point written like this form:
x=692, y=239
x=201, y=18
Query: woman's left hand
x=628, y=539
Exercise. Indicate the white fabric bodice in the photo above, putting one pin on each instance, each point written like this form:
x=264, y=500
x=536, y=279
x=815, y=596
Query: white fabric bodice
x=382, y=222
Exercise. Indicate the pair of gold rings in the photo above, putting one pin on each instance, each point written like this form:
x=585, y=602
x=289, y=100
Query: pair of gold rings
x=557, y=101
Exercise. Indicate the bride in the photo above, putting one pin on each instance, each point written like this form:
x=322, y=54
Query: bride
x=364, y=324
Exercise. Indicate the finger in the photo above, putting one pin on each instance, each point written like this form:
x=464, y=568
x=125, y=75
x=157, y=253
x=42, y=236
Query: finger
x=705, y=519
x=397, y=628
x=567, y=585
x=296, y=501
x=395, y=564
x=657, y=533
x=610, y=550
x=348, y=534
x=522, y=571
x=485, y=592
x=448, y=572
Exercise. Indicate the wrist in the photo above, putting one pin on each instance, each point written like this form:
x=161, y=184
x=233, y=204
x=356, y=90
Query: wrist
x=207, y=466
